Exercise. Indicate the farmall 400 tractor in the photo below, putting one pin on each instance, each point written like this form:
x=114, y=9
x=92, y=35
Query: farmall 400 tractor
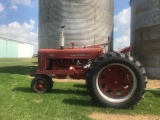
x=113, y=79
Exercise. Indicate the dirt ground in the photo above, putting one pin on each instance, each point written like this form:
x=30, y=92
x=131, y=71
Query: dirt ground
x=103, y=116
x=153, y=84
x=68, y=80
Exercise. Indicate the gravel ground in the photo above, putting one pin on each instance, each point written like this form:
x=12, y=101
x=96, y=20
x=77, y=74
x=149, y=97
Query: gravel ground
x=103, y=116
x=153, y=84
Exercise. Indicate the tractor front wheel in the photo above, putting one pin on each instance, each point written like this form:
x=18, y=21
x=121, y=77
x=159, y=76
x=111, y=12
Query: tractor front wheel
x=42, y=84
x=116, y=80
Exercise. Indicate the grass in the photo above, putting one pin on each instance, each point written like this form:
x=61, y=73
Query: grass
x=67, y=101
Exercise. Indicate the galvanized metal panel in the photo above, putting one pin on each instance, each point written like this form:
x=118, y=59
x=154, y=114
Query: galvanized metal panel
x=12, y=49
x=31, y=50
x=25, y=50
x=145, y=33
x=3, y=48
x=87, y=22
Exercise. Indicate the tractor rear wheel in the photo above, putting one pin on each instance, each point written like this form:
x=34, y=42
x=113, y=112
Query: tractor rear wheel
x=116, y=80
x=42, y=84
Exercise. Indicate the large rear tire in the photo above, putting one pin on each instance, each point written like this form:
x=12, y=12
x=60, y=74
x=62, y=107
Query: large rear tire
x=116, y=80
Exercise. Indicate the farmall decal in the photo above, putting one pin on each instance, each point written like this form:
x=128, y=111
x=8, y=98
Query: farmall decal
x=51, y=55
x=79, y=55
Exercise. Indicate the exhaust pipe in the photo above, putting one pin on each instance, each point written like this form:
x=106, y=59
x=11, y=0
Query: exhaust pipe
x=62, y=40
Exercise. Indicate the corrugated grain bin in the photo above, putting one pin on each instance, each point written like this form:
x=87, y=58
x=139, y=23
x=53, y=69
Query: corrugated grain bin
x=145, y=34
x=87, y=22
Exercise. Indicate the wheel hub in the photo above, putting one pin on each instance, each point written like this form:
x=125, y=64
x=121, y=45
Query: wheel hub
x=40, y=86
x=114, y=80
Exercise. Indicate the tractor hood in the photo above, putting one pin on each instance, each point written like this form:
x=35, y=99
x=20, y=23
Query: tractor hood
x=71, y=53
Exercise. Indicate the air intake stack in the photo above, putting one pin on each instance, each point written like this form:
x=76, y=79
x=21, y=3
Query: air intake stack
x=62, y=39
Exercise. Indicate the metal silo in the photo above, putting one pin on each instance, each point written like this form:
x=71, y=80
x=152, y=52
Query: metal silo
x=87, y=22
x=145, y=34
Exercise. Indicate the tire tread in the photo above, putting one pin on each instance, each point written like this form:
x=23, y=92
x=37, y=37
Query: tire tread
x=98, y=62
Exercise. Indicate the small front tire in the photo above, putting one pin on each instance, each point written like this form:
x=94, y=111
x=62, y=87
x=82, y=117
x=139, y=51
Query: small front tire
x=41, y=84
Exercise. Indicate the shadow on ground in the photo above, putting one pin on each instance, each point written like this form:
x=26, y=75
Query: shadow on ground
x=70, y=91
x=54, y=91
x=155, y=92
x=23, y=89
x=79, y=85
x=22, y=70
x=80, y=101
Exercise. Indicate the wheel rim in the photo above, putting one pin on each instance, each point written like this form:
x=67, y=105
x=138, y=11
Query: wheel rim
x=116, y=83
x=40, y=86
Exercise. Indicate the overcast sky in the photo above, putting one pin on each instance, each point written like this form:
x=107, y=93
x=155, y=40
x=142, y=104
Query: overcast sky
x=19, y=21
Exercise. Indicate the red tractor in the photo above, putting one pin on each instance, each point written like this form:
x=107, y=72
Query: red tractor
x=113, y=79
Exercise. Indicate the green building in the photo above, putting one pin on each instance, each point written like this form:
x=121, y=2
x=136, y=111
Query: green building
x=15, y=49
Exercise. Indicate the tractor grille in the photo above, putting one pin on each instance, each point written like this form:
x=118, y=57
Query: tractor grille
x=39, y=62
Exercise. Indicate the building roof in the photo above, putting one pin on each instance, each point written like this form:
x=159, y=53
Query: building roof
x=8, y=39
